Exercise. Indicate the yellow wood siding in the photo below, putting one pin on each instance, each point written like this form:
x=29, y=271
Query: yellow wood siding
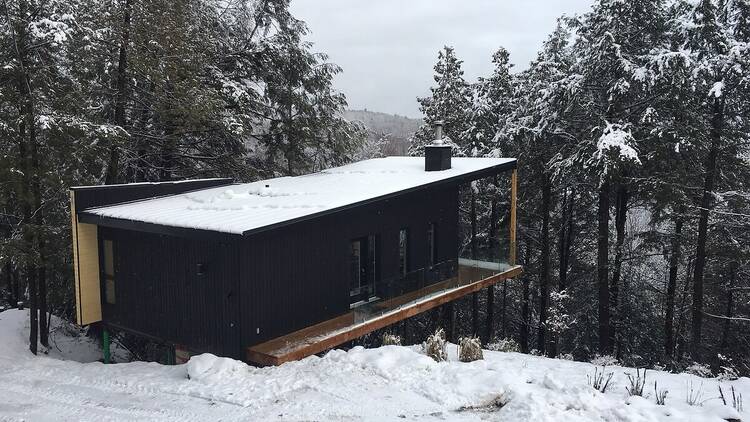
x=86, y=268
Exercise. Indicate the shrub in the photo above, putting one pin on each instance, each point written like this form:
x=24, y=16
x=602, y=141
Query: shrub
x=504, y=345
x=736, y=399
x=391, y=340
x=693, y=396
x=434, y=346
x=600, y=381
x=469, y=349
x=637, y=383
x=728, y=373
x=700, y=370
x=661, y=395
x=604, y=360
x=566, y=356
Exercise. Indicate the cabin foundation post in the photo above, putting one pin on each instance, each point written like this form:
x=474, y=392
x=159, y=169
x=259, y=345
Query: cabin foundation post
x=105, y=345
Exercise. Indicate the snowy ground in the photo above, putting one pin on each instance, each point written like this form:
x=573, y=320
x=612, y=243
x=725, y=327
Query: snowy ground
x=389, y=383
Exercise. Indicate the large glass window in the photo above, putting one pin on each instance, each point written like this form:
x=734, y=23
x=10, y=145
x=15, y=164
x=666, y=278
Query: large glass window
x=403, y=251
x=363, y=269
x=109, y=272
x=355, y=260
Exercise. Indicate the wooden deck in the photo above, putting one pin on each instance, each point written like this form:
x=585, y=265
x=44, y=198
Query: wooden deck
x=358, y=322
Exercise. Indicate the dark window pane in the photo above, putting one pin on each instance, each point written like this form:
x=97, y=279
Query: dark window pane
x=403, y=251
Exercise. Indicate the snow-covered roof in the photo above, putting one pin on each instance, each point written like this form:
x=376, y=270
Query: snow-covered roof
x=245, y=207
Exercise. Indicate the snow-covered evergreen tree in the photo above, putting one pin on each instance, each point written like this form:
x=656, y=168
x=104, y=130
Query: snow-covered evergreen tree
x=449, y=103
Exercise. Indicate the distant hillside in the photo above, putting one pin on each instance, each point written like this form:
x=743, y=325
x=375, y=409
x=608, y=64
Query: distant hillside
x=394, y=124
x=399, y=129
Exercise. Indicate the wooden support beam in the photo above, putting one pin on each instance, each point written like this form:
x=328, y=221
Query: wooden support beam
x=329, y=334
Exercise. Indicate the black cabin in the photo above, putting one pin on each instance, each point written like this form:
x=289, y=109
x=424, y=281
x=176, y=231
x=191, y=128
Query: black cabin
x=279, y=269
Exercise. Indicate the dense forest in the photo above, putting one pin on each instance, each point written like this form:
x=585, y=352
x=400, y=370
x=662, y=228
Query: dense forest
x=632, y=131
x=631, y=127
x=102, y=92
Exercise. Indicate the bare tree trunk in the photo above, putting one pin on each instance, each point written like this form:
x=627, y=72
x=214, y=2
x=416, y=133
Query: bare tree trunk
x=681, y=320
x=169, y=147
x=26, y=150
x=603, y=268
x=33, y=312
x=136, y=170
x=43, y=326
x=564, y=239
x=490, y=329
x=730, y=304
x=621, y=213
x=526, y=306
x=8, y=272
x=717, y=122
x=113, y=167
x=449, y=321
x=525, y=314
x=17, y=289
x=674, y=261
x=544, y=277
x=503, y=316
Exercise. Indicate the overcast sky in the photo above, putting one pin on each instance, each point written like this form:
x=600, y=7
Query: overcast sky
x=387, y=48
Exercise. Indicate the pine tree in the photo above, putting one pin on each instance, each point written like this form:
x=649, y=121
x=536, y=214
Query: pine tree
x=614, y=40
x=448, y=103
x=491, y=103
x=718, y=103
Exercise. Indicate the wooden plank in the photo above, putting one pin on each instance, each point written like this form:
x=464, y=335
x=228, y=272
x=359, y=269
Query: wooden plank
x=85, y=268
x=513, y=195
x=332, y=333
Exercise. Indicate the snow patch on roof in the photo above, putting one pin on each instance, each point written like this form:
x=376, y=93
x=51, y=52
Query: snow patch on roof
x=243, y=207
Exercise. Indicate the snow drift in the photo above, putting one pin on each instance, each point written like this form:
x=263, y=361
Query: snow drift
x=388, y=383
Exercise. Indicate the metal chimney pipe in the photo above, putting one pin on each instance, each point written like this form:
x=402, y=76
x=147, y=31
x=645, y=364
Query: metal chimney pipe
x=438, y=133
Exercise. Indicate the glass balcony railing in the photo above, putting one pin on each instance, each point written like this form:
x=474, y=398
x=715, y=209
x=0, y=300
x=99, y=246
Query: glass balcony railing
x=486, y=242
x=397, y=292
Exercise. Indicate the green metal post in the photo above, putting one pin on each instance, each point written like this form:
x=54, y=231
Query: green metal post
x=105, y=345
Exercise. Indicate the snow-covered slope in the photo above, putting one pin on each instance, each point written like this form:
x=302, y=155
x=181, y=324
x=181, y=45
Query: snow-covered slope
x=389, y=383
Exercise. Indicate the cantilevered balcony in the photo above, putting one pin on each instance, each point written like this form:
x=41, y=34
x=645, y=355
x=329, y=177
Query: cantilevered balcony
x=398, y=303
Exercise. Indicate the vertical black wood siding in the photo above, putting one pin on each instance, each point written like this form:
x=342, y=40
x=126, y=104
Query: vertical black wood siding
x=295, y=276
x=267, y=284
x=159, y=292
